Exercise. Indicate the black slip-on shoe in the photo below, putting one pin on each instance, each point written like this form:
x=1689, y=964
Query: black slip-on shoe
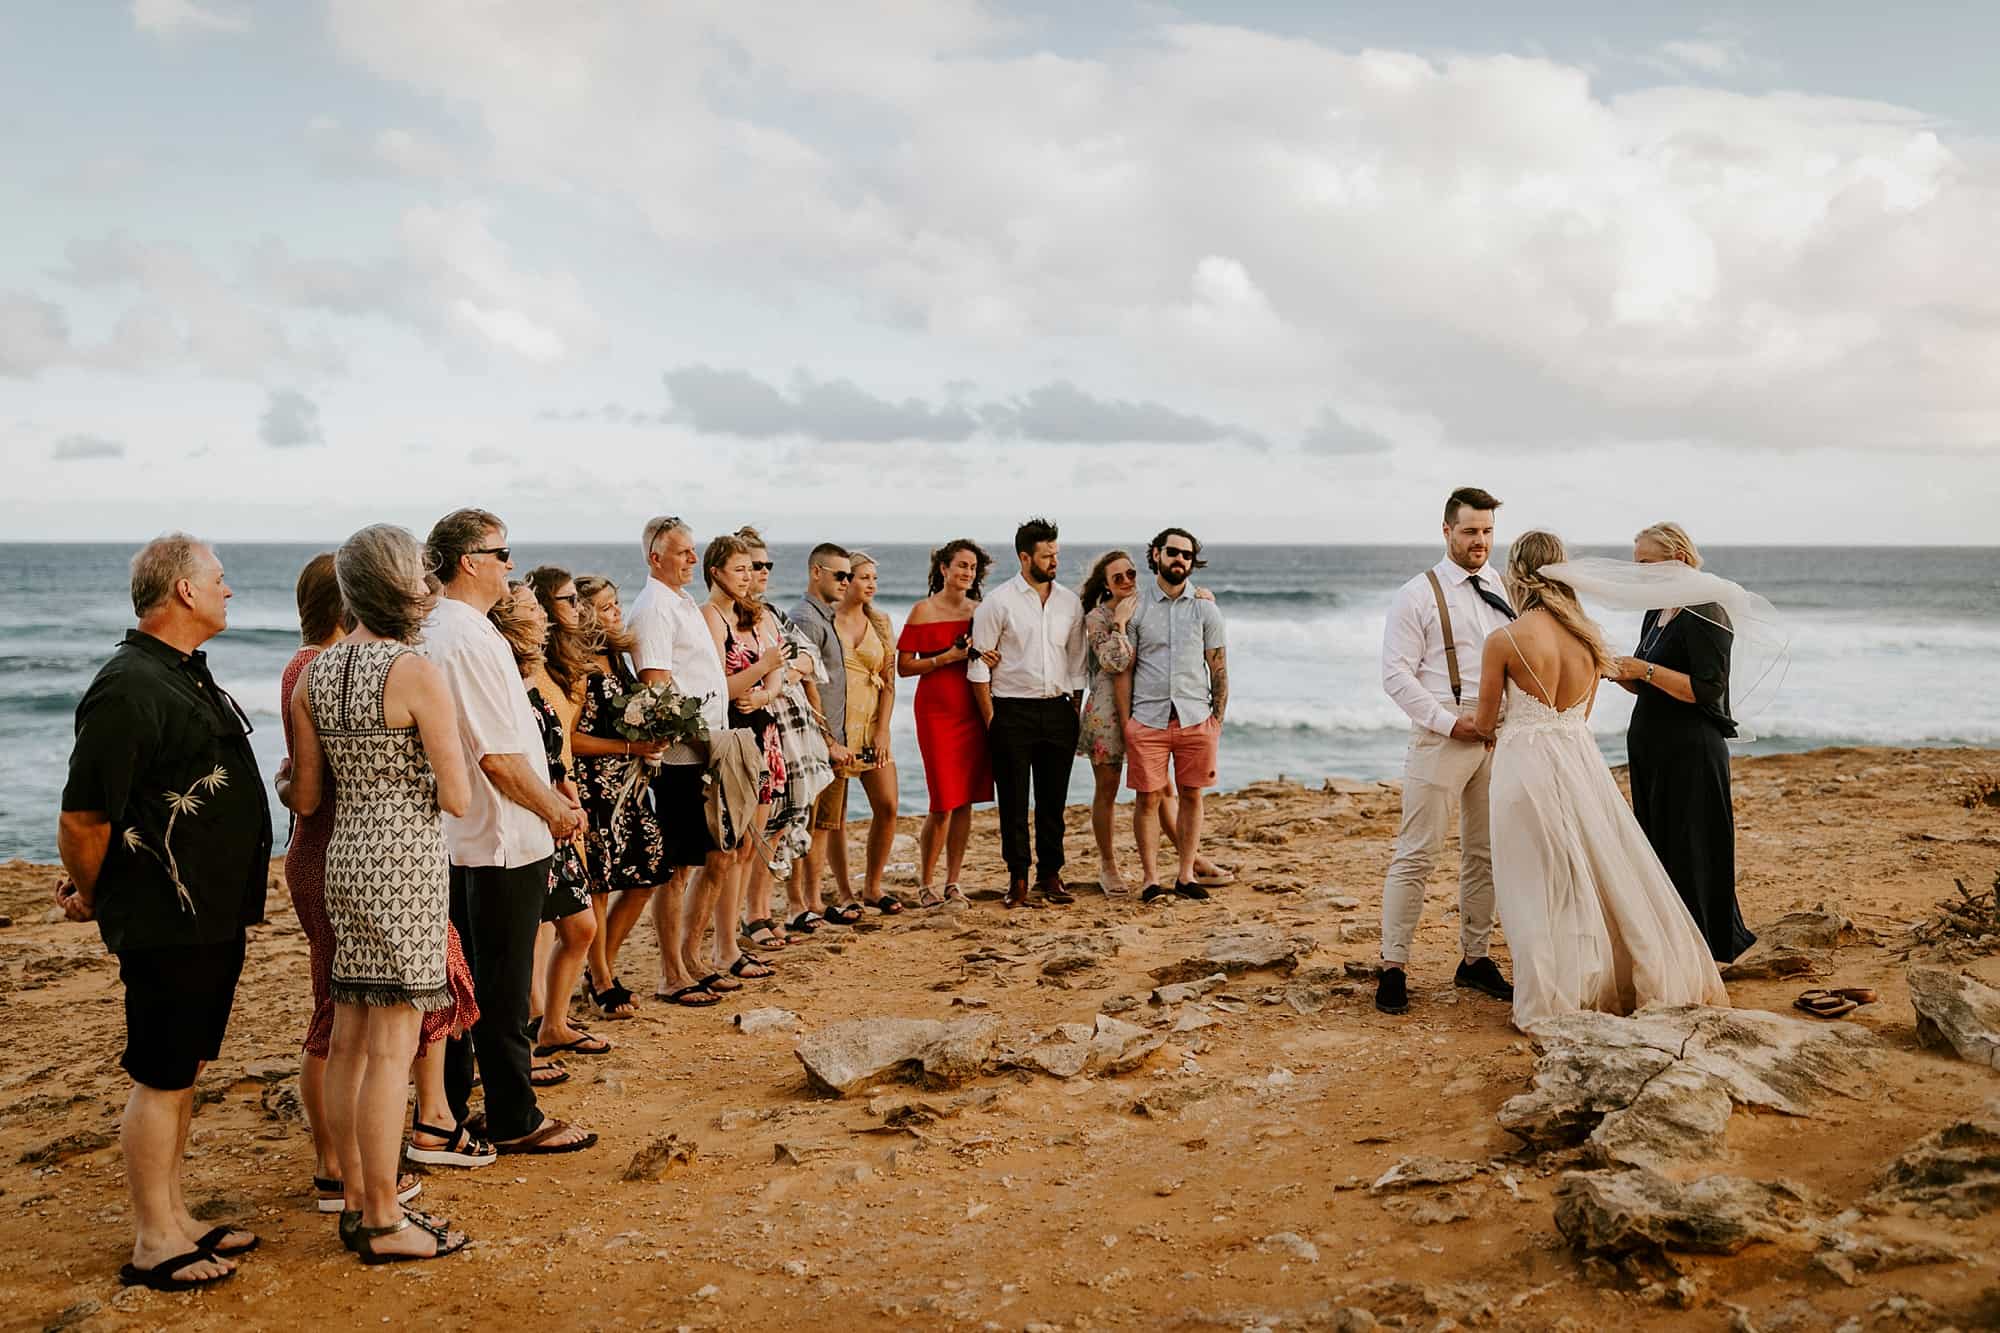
x=1483, y=975
x=1392, y=991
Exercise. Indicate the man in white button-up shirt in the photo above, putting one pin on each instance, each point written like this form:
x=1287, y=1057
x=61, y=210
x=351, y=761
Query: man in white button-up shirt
x=671, y=643
x=500, y=847
x=1031, y=702
x=1447, y=761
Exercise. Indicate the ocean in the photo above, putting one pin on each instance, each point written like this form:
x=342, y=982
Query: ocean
x=1890, y=646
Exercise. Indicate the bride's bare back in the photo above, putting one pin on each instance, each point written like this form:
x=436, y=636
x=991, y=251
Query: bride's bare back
x=1544, y=659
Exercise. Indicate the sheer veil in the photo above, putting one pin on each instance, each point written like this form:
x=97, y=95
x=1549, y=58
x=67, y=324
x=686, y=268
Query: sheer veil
x=1760, y=651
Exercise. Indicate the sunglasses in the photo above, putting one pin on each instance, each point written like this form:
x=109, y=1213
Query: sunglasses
x=501, y=553
x=569, y=597
x=841, y=575
x=763, y=566
x=1177, y=553
x=1124, y=576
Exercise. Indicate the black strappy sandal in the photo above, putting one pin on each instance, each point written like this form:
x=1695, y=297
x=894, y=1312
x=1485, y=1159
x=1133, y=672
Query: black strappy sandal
x=805, y=923
x=888, y=904
x=365, y=1238
x=740, y=968
x=461, y=1147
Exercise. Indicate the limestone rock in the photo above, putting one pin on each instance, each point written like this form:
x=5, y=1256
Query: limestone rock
x=281, y=1102
x=1957, y=1169
x=1237, y=950
x=1183, y=991
x=766, y=1020
x=1795, y=943
x=1594, y=1065
x=1957, y=1012
x=845, y=1057
x=1162, y=1102
x=68, y=1146
x=1411, y=1172
x=1619, y=1212
x=1105, y=1046
x=659, y=1159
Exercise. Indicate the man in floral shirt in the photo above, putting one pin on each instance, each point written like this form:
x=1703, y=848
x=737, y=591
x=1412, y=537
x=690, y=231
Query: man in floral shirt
x=165, y=839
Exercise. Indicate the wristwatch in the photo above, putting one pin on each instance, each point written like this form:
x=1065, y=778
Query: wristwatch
x=1649, y=673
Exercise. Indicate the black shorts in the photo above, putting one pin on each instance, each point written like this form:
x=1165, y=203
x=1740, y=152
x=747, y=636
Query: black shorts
x=681, y=802
x=177, y=1003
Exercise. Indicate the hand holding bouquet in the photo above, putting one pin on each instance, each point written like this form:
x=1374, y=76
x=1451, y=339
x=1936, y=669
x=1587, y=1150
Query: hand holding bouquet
x=656, y=715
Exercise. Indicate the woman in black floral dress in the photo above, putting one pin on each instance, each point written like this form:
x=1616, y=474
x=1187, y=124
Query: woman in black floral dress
x=627, y=856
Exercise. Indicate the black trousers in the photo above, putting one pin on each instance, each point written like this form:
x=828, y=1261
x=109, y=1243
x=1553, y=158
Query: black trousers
x=1032, y=740
x=497, y=910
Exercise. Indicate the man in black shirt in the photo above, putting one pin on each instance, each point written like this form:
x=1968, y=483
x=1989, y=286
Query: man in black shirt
x=166, y=840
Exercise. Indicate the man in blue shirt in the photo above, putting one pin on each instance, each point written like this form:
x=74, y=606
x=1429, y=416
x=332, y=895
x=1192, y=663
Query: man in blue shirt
x=1171, y=702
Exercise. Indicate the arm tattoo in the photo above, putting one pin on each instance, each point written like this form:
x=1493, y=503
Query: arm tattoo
x=1218, y=683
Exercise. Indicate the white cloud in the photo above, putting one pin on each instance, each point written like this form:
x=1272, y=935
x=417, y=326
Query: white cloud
x=86, y=447
x=393, y=153
x=1482, y=243
x=290, y=420
x=170, y=18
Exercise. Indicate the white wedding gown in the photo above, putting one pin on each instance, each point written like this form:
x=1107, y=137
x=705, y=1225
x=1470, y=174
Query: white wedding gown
x=1592, y=921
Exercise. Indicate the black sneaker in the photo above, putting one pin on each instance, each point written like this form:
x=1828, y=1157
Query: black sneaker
x=1483, y=975
x=1392, y=991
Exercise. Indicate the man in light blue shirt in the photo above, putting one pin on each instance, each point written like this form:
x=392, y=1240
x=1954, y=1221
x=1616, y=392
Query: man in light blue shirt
x=1171, y=702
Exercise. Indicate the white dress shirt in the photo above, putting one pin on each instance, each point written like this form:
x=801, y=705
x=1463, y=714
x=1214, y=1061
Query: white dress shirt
x=493, y=718
x=669, y=635
x=1040, y=642
x=1413, y=666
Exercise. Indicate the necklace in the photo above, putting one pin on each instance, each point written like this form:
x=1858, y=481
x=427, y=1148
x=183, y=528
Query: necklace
x=1652, y=641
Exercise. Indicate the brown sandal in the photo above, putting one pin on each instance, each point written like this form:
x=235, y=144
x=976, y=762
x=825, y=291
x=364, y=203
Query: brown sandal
x=1824, y=1004
x=1858, y=994
x=538, y=1142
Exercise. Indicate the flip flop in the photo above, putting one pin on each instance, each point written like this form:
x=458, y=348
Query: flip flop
x=558, y=1073
x=741, y=968
x=1824, y=1004
x=584, y=1045
x=696, y=996
x=765, y=926
x=161, y=1276
x=843, y=914
x=211, y=1241
x=805, y=923
x=537, y=1143
x=720, y=984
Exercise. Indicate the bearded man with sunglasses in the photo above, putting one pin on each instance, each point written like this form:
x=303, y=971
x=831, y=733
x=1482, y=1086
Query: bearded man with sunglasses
x=829, y=570
x=1171, y=703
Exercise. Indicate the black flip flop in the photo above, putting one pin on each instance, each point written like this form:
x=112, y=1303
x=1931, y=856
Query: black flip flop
x=843, y=914
x=683, y=996
x=536, y=1144
x=161, y=1276
x=562, y=1076
x=736, y=969
x=805, y=923
x=581, y=1046
x=211, y=1241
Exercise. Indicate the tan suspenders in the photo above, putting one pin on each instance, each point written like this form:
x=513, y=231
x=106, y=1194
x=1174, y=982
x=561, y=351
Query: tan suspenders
x=1450, y=642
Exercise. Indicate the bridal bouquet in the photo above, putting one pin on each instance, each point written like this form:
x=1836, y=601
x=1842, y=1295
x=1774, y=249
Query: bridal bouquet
x=654, y=714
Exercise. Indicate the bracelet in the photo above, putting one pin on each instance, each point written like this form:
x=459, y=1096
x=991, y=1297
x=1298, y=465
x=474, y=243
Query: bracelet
x=1649, y=673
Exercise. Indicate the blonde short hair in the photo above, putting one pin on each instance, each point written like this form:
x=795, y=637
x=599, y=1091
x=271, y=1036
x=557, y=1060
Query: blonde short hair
x=1674, y=540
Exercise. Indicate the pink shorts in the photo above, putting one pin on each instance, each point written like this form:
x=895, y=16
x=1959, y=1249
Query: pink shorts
x=1192, y=749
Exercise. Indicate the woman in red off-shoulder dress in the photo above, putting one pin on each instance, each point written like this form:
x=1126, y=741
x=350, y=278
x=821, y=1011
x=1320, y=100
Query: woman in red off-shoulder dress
x=934, y=647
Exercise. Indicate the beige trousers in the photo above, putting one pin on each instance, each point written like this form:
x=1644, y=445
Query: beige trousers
x=1438, y=771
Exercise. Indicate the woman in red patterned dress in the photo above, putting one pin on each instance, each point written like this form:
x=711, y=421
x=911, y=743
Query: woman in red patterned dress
x=935, y=644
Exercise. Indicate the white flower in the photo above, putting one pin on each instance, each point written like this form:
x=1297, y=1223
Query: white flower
x=634, y=714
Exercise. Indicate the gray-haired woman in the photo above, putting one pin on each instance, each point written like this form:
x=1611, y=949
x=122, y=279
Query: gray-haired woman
x=380, y=719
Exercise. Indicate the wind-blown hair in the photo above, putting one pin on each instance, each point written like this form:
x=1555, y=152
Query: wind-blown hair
x=1528, y=588
x=1032, y=534
x=1674, y=540
x=1096, y=588
x=321, y=614
x=456, y=536
x=565, y=652
x=599, y=637
x=947, y=553
x=517, y=630
x=721, y=550
x=379, y=570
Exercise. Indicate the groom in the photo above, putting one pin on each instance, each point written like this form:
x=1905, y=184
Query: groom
x=1430, y=666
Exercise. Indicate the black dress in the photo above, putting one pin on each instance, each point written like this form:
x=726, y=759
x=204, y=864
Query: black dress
x=569, y=884
x=628, y=852
x=1680, y=772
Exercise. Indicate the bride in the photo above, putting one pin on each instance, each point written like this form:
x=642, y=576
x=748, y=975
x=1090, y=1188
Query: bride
x=1592, y=920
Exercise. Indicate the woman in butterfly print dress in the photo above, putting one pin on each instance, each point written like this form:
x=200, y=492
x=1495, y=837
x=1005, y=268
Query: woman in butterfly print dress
x=626, y=854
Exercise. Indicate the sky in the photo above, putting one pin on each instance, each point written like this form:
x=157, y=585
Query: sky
x=896, y=271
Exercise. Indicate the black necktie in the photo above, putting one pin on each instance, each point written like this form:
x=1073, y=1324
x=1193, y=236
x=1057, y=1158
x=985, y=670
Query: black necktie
x=1492, y=599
